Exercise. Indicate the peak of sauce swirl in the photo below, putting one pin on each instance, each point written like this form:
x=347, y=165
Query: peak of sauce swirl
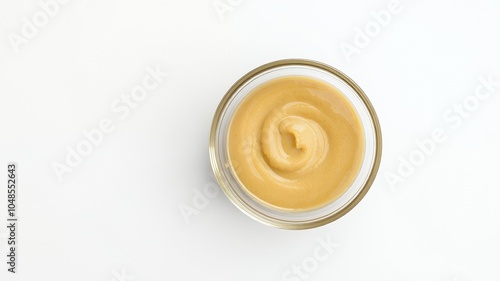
x=295, y=143
x=292, y=141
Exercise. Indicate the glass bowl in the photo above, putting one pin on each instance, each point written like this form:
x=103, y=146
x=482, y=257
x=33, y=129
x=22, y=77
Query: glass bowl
x=287, y=219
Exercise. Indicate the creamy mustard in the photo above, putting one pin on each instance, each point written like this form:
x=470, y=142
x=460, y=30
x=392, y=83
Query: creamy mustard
x=295, y=143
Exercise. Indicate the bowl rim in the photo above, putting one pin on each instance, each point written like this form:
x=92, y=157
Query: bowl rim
x=298, y=62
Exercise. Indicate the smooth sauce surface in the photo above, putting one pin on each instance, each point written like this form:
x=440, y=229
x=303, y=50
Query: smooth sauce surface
x=295, y=143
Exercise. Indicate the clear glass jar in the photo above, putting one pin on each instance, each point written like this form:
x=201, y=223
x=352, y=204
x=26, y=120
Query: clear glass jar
x=228, y=179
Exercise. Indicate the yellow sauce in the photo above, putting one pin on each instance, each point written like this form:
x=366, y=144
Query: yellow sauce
x=295, y=143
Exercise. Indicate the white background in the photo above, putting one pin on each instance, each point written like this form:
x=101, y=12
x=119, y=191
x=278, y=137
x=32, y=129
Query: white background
x=118, y=211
